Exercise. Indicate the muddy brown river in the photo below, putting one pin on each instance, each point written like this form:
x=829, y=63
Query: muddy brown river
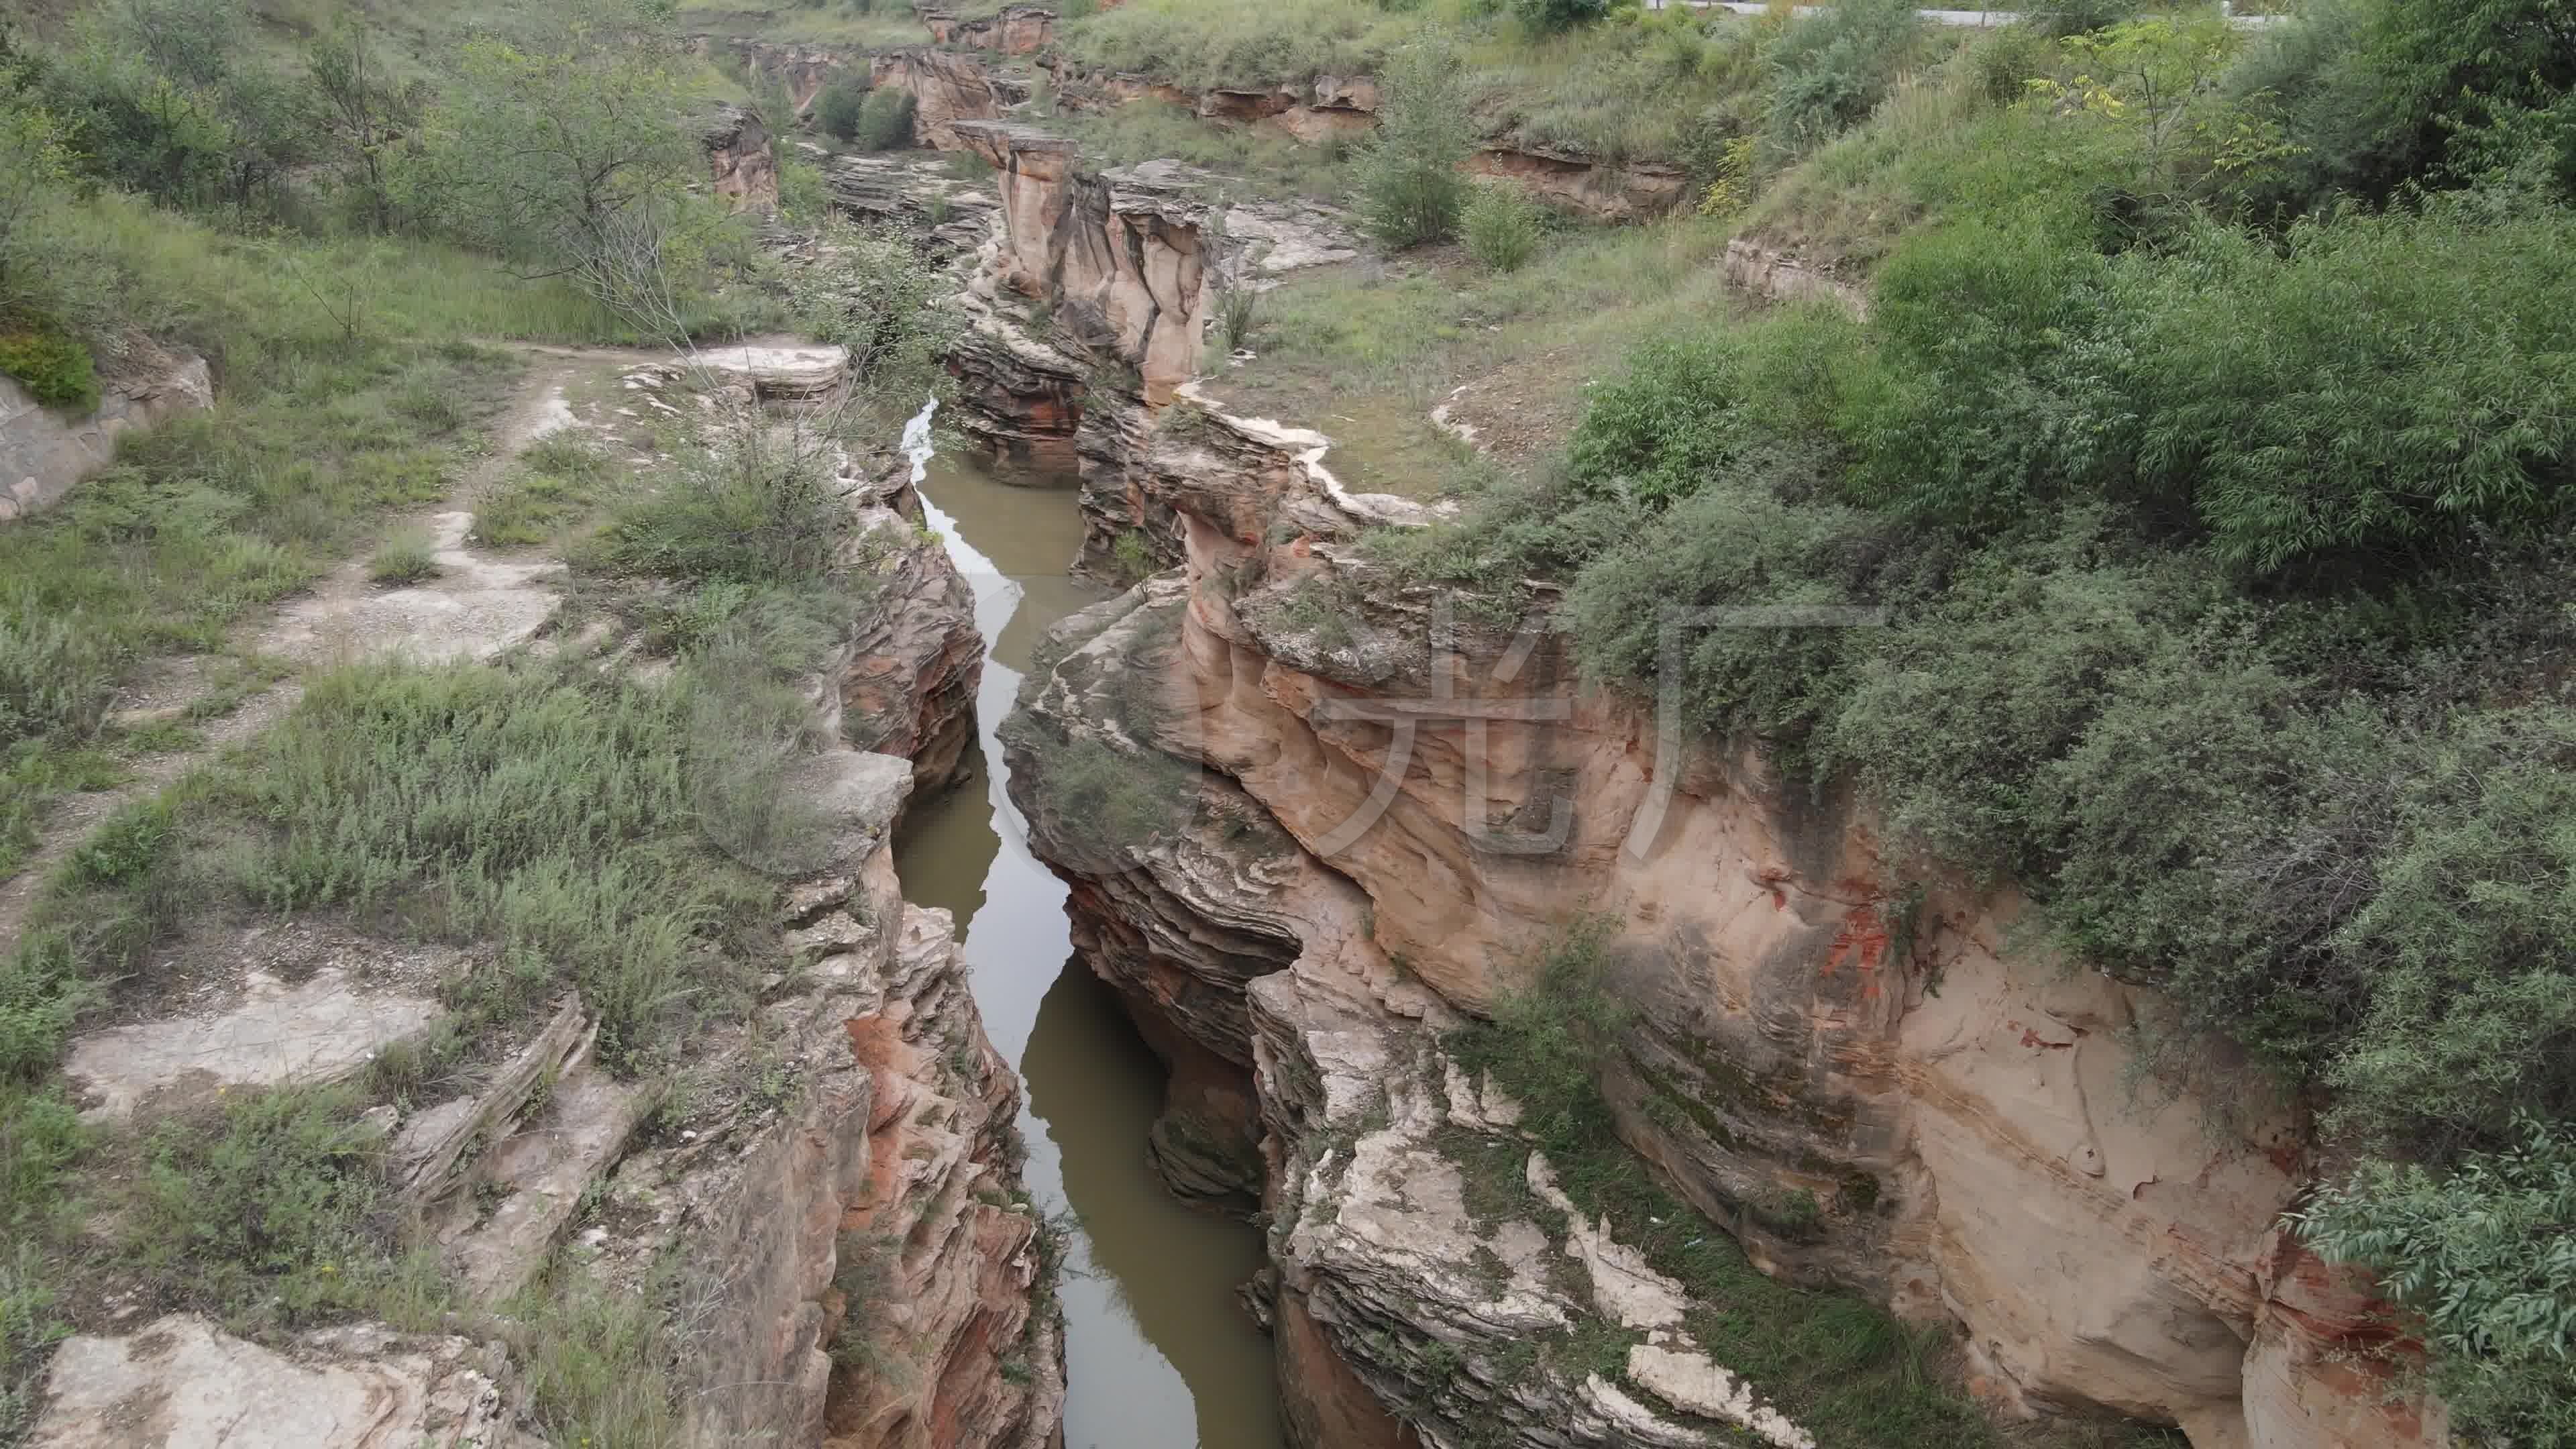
x=1159, y=1355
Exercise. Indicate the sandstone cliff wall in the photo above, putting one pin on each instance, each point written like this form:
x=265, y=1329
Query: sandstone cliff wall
x=1012, y=30
x=740, y=161
x=947, y=87
x=1961, y=1113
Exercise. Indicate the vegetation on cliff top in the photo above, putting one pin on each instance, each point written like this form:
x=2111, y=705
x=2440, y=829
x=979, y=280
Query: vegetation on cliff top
x=2207, y=441
x=350, y=220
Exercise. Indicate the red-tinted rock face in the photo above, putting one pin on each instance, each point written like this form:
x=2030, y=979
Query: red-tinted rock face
x=1972, y=1151
x=947, y=87
x=1014, y=30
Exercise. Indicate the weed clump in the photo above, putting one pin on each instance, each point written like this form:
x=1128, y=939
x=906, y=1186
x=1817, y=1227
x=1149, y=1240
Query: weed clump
x=409, y=557
x=1501, y=229
x=1410, y=188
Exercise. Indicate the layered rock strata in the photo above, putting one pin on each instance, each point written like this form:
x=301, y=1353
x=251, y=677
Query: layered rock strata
x=802, y=71
x=1012, y=30
x=1117, y=255
x=824, y=1189
x=1869, y=1091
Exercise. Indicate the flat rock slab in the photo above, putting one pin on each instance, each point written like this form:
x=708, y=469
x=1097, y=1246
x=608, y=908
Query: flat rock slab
x=541, y=1171
x=319, y=1028
x=182, y=1383
x=474, y=609
x=780, y=372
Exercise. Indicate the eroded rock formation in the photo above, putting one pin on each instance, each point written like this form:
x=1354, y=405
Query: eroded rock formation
x=947, y=87
x=906, y=679
x=1580, y=183
x=739, y=158
x=1779, y=275
x=1012, y=30
x=1118, y=255
x=1869, y=1091
x=44, y=450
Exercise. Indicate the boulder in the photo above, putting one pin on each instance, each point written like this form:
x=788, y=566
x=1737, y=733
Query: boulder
x=44, y=451
x=182, y=1383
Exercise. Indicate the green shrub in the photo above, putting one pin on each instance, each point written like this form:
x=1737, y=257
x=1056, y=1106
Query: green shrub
x=1995, y=385
x=1733, y=543
x=55, y=367
x=839, y=108
x=885, y=120
x=873, y=294
x=1548, y=16
x=744, y=504
x=1410, y=189
x=2464, y=945
x=2370, y=392
x=1501, y=228
x=2482, y=1253
x=1830, y=70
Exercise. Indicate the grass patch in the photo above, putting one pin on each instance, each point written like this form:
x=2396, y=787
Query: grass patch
x=272, y=1210
x=208, y=517
x=409, y=557
x=597, y=1363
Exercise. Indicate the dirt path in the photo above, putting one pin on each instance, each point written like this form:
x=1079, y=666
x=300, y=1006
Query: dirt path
x=477, y=606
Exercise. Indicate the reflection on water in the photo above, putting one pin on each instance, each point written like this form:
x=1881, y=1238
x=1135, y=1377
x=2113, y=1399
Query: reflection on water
x=1159, y=1355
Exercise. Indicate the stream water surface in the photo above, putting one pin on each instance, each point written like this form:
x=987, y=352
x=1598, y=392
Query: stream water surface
x=1159, y=1355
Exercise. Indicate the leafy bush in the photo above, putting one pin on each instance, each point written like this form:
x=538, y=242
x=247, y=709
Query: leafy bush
x=55, y=367
x=2484, y=1254
x=884, y=121
x=2372, y=390
x=1994, y=386
x=2464, y=945
x=873, y=294
x=838, y=108
x=1410, y=189
x=1501, y=228
x=1548, y=16
x=744, y=504
x=1830, y=70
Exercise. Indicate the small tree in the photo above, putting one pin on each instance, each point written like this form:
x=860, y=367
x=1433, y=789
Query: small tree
x=837, y=109
x=885, y=120
x=871, y=293
x=35, y=167
x=366, y=109
x=1410, y=188
x=567, y=155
